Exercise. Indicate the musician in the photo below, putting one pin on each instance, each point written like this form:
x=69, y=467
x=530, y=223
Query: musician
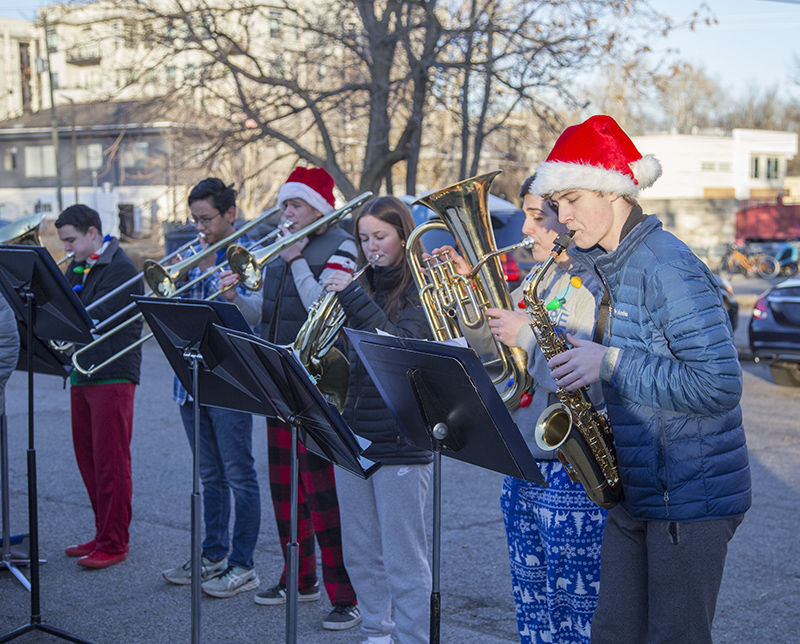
x=102, y=405
x=554, y=533
x=226, y=452
x=292, y=284
x=672, y=383
x=383, y=527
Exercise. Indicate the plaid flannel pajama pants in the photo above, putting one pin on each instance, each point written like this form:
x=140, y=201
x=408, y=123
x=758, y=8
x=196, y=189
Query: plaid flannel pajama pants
x=317, y=514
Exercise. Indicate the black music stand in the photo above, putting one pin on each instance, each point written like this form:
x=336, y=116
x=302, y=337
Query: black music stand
x=184, y=329
x=44, y=301
x=313, y=420
x=444, y=401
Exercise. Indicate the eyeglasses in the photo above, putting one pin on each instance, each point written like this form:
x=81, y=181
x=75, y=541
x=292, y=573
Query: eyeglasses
x=204, y=221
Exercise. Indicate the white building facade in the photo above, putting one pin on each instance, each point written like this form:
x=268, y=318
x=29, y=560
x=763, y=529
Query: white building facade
x=740, y=164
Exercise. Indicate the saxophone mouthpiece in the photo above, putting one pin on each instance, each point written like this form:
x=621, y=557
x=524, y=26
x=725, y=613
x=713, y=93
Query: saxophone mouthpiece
x=561, y=242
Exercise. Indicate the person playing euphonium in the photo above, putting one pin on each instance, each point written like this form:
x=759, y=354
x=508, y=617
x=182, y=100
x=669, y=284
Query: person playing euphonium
x=554, y=533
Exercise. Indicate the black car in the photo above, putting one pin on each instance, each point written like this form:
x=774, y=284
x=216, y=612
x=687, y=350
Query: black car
x=774, y=332
x=729, y=300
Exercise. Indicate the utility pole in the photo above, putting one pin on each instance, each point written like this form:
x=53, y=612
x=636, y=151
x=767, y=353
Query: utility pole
x=53, y=116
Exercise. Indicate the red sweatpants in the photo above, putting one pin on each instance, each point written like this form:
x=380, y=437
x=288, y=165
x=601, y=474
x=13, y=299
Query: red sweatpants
x=102, y=425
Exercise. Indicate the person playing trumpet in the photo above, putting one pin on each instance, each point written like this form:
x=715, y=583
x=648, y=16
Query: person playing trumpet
x=225, y=450
x=102, y=406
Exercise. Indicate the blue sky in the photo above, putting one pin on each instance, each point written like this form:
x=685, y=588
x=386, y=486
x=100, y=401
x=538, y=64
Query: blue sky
x=753, y=43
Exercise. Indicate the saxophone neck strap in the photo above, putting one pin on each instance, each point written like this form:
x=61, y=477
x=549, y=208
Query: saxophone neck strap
x=602, y=318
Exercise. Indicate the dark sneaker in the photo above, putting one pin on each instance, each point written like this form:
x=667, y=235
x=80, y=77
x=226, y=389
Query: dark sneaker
x=277, y=595
x=182, y=575
x=233, y=581
x=341, y=618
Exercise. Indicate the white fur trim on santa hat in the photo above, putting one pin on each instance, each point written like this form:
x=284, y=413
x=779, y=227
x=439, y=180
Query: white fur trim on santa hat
x=557, y=176
x=297, y=190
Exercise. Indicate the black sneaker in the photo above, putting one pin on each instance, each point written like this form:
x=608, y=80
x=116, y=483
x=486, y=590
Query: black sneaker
x=277, y=595
x=341, y=618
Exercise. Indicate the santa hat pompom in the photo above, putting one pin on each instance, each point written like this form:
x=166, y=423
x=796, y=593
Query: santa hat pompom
x=312, y=185
x=596, y=155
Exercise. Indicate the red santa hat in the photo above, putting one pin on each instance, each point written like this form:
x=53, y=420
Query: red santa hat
x=596, y=155
x=312, y=185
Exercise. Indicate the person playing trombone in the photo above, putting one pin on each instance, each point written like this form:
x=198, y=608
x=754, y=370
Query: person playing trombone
x=291, y=285
x=226, y=454
x=102, y=405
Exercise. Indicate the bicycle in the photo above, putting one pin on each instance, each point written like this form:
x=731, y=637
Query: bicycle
x=761, y=264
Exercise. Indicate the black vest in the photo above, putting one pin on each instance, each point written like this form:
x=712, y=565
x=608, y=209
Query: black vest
x=284, y=313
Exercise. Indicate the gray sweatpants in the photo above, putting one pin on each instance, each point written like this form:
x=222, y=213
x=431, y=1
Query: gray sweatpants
x=659, y=580
x=386, y=550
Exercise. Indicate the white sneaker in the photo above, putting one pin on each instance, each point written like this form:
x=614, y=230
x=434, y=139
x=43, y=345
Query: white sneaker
x=379, y=639
x=233, y=581
x=182, y=575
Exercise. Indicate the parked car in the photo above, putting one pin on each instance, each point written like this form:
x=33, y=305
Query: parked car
x=506, y=221
x=729, y=300
x=774, y=331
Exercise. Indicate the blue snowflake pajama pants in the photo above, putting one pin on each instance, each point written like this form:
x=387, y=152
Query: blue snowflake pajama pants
x=554, y=538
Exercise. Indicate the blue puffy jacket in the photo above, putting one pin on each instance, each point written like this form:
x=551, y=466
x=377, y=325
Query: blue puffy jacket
x=673, y=395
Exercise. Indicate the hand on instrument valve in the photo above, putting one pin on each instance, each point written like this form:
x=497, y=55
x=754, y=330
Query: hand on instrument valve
x=226, y=278
x=578, y=367
x=337, y=281
x=505, y=325
x=295, y=251
x=461, y=265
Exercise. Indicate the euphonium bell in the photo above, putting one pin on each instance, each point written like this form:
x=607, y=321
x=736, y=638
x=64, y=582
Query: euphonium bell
x=449, y=299
x=24, y=231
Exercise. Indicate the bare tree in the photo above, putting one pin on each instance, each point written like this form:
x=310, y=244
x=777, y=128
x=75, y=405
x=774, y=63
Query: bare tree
x=372, y=90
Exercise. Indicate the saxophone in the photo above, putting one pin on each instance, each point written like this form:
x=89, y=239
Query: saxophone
x=313, y=346
x=573, y=426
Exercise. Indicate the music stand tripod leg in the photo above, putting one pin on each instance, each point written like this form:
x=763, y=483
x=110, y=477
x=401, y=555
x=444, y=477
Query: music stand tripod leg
x=293, y=548
x=194, y=358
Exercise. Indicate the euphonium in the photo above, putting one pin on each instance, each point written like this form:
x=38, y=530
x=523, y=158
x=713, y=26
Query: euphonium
x=23, y=232
x=313, y=345
x=573, y=426
x=449, y=299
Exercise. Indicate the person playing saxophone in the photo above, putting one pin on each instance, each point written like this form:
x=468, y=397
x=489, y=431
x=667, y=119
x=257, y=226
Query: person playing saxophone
x=672, y=384
x=554, y=533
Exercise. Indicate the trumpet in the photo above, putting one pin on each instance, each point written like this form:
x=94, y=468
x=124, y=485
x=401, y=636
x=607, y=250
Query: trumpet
x=162, y=279
x=247, y=265
x=450, y=299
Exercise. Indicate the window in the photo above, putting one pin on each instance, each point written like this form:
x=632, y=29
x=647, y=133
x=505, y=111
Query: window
x=134, y=155
x=707, y=166
x=275, y=23
x=89, y=157
x=772, y=168
x=172, y=73
x=725, y=167
x=189, y=71
x=754, y=170
x=10, y=159
x=40, y=161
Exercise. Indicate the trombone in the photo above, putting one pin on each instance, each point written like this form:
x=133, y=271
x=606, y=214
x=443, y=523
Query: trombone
x=195, y=259
x=162, y=280
x=250, y=281
x=247, y=265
